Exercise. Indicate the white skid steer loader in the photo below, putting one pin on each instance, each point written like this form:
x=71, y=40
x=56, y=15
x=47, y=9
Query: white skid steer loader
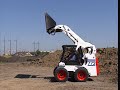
x=75, y=63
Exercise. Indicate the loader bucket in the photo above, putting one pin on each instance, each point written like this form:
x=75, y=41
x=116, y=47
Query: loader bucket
x=50, y=24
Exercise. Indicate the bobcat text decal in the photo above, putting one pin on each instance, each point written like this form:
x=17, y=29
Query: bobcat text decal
x=91, y=62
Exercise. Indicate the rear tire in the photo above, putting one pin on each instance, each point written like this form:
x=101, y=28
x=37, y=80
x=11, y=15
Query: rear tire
x=61, y=75
x=81, y=74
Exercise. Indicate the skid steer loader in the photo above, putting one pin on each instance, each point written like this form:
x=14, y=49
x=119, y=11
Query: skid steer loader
x=78, y=61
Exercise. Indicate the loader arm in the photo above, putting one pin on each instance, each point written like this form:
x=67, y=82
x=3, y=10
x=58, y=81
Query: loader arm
x=52, y=28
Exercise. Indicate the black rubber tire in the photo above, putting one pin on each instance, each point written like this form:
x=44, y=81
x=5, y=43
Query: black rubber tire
x=81, y=74
x=54, y=70
x=61, y=74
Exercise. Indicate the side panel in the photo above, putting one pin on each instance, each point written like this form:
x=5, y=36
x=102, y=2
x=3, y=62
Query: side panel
x=92, y=67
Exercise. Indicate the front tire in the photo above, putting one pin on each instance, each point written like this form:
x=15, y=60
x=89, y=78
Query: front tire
x=61, y=75
x=81, y=74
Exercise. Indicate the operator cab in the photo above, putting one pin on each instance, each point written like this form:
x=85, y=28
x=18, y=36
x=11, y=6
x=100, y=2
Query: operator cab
x=70, y=56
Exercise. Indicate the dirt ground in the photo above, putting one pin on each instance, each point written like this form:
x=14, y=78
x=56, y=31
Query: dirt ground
x=16, y=76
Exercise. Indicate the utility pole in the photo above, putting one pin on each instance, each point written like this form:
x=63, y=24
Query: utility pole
x=16, y=45
x=34, y=46
x=10, y=46
x=38, y=45
x=4, y=45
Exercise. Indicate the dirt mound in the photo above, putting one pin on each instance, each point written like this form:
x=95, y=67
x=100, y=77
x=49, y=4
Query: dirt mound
x=108, y=63
x=49, y=60
x=52, y=59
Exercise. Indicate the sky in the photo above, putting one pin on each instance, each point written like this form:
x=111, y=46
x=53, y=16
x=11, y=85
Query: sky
x=95, y=21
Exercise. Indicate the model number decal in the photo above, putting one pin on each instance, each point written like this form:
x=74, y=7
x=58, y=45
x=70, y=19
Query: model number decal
x=91, y=62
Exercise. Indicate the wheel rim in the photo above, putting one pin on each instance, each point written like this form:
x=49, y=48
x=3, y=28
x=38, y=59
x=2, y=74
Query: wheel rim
x=81, y=75
x=61, y=75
